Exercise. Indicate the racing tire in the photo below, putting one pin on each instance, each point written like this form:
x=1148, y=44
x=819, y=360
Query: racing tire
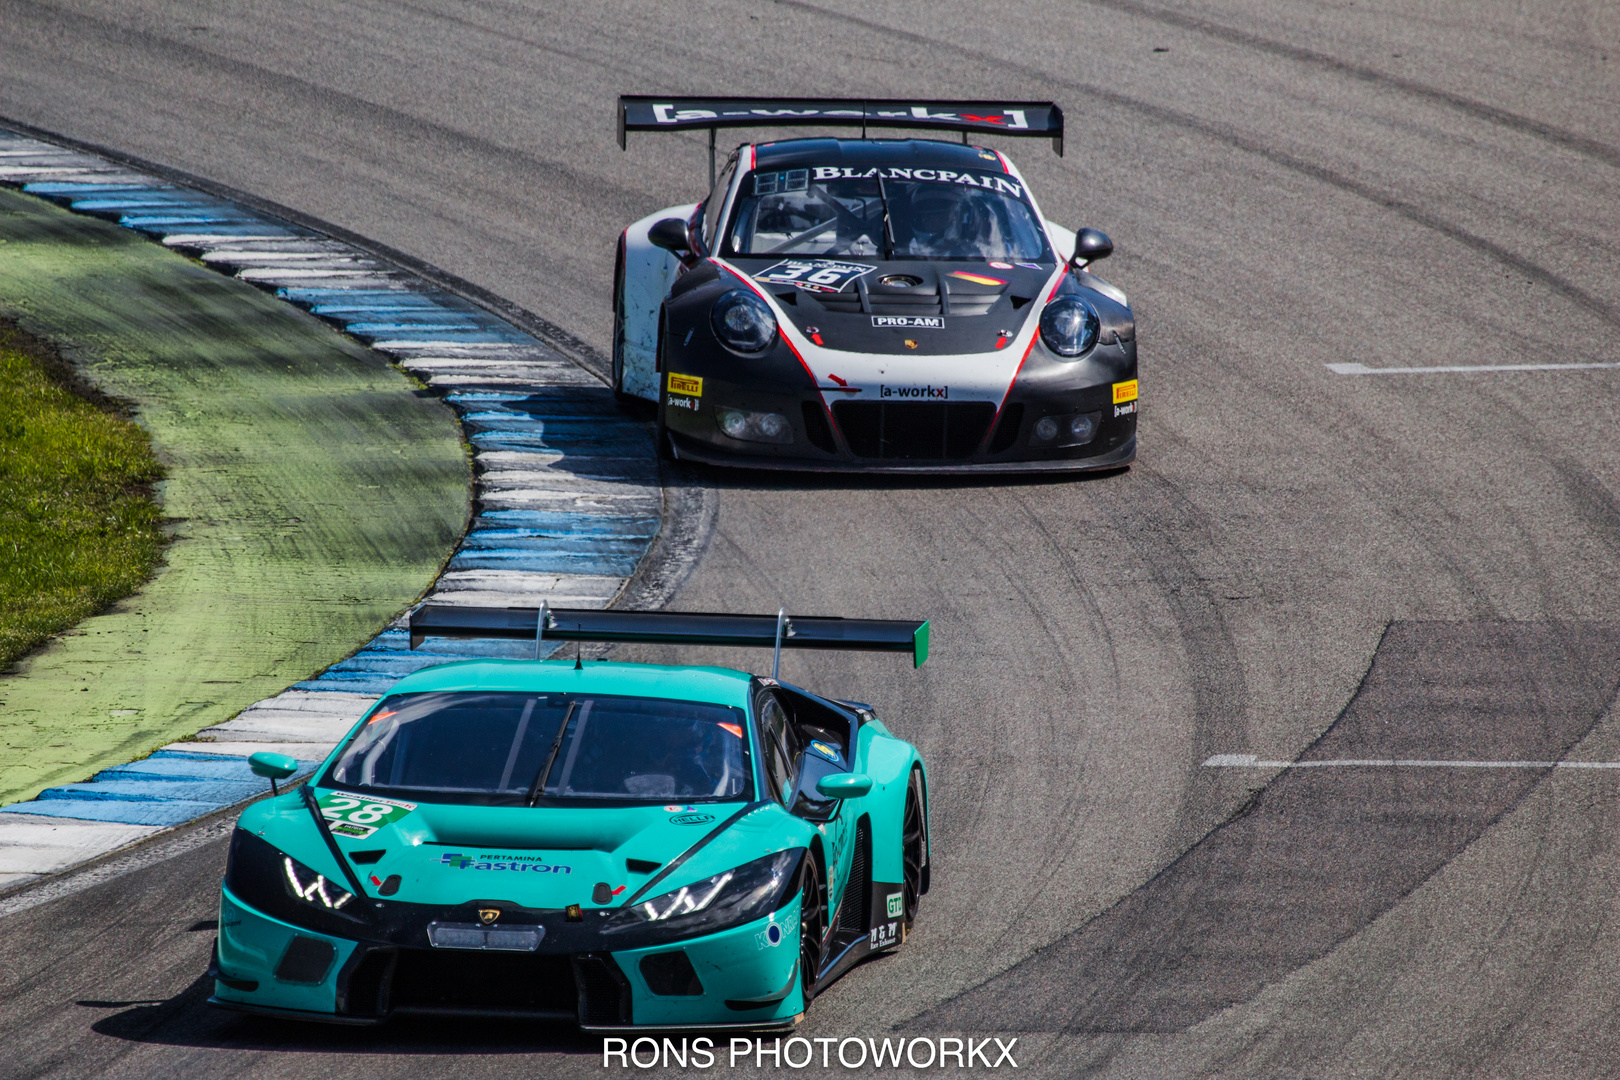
x=812, y=927
x=618, y=330
x=913, y=850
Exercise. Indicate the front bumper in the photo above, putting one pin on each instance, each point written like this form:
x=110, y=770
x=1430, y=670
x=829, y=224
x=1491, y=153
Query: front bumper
x=736, y=979
x=828, y=431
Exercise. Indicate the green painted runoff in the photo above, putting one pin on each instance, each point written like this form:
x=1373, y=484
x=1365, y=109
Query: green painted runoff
x=311, y=494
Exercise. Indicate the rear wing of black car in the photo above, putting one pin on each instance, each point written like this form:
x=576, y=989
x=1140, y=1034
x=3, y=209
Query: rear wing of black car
x=779, y=631
x=1039, y=119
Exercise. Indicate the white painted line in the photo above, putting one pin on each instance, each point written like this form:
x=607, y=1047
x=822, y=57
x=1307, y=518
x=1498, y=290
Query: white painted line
x=1363, y=369
x=1250, y=761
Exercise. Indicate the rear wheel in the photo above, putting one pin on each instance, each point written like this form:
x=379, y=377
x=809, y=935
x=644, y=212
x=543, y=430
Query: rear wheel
x=812, y=926
x=913, y=847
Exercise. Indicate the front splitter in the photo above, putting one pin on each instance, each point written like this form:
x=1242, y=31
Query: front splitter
x=688, y=450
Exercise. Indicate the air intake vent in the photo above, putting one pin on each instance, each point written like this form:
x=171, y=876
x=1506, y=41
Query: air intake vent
x=903, y=300
x=604, y=993
x=512, y=984
x=306, y=960
x=856, y=909
x=914, y=431
x=1012, y=417
x=817, y=430
x=973, y=303
x=843, y=303
x=670, y=974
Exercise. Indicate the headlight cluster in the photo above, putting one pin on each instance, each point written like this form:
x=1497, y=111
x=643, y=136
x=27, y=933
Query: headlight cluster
x=743, y=322
x=748, y=892
x=311, y=887
x=1069, y=326
x=275, y=883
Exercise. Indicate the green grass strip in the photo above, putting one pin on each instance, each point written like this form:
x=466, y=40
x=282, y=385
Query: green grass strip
x=79, y=527
x=312, y=493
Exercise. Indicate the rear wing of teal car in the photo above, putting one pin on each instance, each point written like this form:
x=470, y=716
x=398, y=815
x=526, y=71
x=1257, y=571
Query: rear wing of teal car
x=779, y=631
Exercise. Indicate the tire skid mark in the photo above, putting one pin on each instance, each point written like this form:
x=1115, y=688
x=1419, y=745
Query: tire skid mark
x=1319, y=854
x=1225, y=133
x=1569, y=140
x=433, y=136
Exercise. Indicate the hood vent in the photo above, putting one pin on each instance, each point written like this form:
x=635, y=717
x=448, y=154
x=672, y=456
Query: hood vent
x=977, y=302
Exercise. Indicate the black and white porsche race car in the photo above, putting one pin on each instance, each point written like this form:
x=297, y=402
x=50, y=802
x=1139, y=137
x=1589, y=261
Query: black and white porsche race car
x=867, y=304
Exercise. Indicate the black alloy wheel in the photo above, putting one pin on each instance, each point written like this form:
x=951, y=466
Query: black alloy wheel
x=913, y=847
x=812, y=926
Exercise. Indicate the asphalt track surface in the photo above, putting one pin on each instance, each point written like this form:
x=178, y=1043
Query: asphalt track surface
x=1301, y=562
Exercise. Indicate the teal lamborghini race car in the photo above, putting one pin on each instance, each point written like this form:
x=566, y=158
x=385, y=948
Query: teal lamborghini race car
x=632, y=847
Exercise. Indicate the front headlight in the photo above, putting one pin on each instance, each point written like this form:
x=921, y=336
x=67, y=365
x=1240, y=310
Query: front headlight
x=268, y=879
x=1069, y=326
x=743, y=322
x=310, y=887
x=748, y=892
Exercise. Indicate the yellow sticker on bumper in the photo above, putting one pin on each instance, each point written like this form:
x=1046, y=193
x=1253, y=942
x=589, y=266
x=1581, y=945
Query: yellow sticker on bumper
x=1123, y=391
x=691, y=384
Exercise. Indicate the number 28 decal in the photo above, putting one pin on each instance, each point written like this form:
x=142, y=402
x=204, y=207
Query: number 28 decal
x=814, y=275
x=357, y=817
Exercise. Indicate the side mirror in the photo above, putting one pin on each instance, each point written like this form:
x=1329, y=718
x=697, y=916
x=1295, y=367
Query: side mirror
x=669, y=234
x=272, y=767
x=844, y=785
x=1089, y=246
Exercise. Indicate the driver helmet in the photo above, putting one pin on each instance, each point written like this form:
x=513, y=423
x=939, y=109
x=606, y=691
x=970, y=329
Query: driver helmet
x=933, y=211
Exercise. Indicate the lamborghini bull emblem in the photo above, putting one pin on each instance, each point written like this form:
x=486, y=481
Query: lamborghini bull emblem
x=488, y=915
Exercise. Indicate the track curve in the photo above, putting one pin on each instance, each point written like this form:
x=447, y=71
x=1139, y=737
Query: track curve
x=1285, y=192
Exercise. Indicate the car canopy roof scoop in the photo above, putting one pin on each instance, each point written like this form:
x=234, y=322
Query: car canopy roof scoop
x=1041, y=119
x=779, y=631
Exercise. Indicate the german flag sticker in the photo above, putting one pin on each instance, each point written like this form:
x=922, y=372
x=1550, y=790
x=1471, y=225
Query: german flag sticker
x=1124, y=391
x=978, y=279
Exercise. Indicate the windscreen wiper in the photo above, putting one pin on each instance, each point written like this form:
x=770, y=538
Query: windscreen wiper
x=551, y=757
x=888, y=225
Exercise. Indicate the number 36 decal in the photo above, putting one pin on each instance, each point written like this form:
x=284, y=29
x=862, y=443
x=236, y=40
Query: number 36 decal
x=815, y=275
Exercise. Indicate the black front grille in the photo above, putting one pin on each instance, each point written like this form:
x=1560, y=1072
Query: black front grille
x=453, y=980
x=914, y=431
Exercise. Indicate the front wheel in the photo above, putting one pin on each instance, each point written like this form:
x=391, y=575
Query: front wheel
x=812, y=927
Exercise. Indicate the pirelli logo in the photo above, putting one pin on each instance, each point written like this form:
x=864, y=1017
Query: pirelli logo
x=1123, y=391
x=691, y=384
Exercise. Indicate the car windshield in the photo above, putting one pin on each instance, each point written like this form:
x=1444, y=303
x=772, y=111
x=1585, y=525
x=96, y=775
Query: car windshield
x=886, y=213
x=493, y=748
